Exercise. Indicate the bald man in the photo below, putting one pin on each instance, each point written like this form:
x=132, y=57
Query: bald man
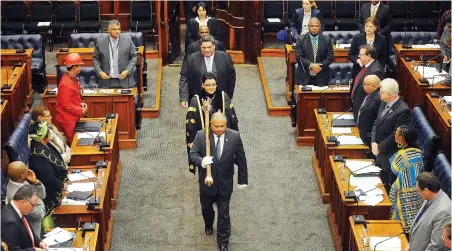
x=196, y=46
x=19, y=176
x=368, y=111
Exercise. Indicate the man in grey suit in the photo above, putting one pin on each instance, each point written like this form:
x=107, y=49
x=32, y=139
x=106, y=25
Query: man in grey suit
x=427, y=228
x=115, y=58
x=227, y=149
x=19, y=176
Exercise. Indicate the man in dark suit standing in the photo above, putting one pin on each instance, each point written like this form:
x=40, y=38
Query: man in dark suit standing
x=196, y=46
x=393, y=112
x=227, y=148
x=368, y=111
x=314, y=55
x=115, y=58
x=381, y=12
x=198, y=63
x=367, y=55
x=16, y=231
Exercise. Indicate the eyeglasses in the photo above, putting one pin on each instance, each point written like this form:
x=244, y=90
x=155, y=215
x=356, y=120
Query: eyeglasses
x=31, y=203
x=419, y=189
x=210, y=85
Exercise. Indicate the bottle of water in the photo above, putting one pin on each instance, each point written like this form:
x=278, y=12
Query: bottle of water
x=91, y=44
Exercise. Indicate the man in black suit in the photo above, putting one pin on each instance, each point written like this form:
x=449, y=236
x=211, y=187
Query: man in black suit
x=368, y=111
x=381, y=12
x=314, y=55
x=196, y=46
x=367, y=55
x=198, y=63
x=393, y=112
x=16, y=232
x=227, y=149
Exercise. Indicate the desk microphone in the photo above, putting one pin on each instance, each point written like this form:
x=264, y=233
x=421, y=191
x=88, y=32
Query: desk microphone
x=334, y=138
x=408, y=45
x=351, y=194
x=375, y=247
x=423, y=80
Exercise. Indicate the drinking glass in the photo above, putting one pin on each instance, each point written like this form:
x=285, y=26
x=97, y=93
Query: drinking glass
x=338, y=43
x=338, y=84
x=95, y=86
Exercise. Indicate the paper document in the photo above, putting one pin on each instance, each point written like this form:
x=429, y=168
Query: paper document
x=349, y=140
x=425, y=46
x=372, y=200
x=317, y=88
x=341, y=130
x=387, y=244
x=81, y=187
x=69, y=202
x=58, y=237
x=88, y=91
x=89, y=135
x=343, y=116
x=81, y=176
x=43, y=23
x=448, y=99
x=367, y=167
x=364, y=181
x=429, y=72
x=273, y=20
x=108, y=91
x=343, y=46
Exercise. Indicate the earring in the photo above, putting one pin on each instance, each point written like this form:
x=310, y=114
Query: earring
x=399, y=145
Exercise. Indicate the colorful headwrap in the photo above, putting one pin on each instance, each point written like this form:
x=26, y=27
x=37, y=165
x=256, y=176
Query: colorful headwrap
x=39, y=131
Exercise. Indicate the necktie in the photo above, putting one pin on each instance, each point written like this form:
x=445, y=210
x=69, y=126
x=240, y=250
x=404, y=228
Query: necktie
x=314, y=48
x=373, y=11
x=422, y=212
x=355, y=84
x=219, y=146
x=359, y=112
x=385, y=111
x=28, y=231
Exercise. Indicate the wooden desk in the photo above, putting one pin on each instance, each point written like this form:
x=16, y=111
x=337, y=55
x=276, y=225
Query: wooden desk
x=341, y=208
x=92, y=237
x=321, y=164
x=108, y=101
x=380, y=228
x=87, y=57
x=89, y=155
x=7, y=125
x=307, y=101
x=415, y=53
x=440, y=121
x=70, y=215
x=17, y=94
x=340, y=56
x=9, y=57
x=410, y=87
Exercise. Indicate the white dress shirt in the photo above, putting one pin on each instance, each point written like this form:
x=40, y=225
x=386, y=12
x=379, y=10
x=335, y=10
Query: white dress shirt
x=209, y=62
x=113, y=45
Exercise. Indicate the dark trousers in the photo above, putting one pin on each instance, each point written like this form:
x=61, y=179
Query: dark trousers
x=223, y=220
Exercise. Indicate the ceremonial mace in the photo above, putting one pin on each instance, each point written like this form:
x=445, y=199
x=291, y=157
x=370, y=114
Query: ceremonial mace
x=207, y=106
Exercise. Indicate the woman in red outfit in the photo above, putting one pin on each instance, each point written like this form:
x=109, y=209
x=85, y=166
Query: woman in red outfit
x=69, y=105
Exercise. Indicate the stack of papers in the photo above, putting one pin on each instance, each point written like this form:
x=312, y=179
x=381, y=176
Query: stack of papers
x=343, y=116
x=367, y=167
x=69, y=202
x=390, y=245
x=81, y=176
x=425, y=46
x=349, y=140
x=364, y=183
x=317, y=88
x=273, y=20
x=429, y=72
x=343, y=46
x=82, y=187
x=58, y=235
x=343, y=130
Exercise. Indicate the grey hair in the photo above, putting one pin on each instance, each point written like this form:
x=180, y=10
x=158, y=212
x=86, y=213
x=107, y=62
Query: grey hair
x=390, y=86
x=219, y=116
x=209, y=38
x=113, y=22
x=314, y=19
x=26, y=192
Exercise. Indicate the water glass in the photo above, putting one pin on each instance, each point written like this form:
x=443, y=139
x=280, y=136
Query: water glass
x=95, y=86
x=91, y=44
x=365, y=236
x=435, y=41
x=338, y=84
x=350, y=83
x=338, y=43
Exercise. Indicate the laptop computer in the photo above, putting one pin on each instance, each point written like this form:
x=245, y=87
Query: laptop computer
x=88, y=141
x=88, y=126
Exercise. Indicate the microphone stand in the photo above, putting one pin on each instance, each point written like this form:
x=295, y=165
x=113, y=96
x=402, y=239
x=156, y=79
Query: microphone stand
x=423, y=80
x=331, y=138
x=406, y=46
x=375, y=247
x=351, y=194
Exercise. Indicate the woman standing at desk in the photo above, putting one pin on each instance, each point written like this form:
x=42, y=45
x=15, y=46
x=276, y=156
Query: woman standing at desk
x=69, y=105
x=370, y=36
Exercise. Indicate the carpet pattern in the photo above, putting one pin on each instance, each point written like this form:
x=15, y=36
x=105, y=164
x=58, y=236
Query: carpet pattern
x=149, y=95
x=158, y=203
x=276, y=79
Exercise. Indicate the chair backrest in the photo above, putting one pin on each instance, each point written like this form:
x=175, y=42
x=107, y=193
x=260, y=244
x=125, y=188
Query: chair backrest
x=16, y=11
x=87, y=75
x=345, y=9
x=89, y=11
x=442, y=170
x=341, y=72
x=399, y=8
x=65, y=11
x=17, y=146
x=424, y=9
x=273, y=9
x=345, y=37
x=326, y=8
x=140, y=10
x=27, y=41
x=82, y=40
x=427, y=139
x=41, y=11
x=137, y=38
x=412, y=37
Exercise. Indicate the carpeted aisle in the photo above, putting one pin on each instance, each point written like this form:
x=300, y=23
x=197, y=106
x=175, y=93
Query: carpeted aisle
x=158, y=204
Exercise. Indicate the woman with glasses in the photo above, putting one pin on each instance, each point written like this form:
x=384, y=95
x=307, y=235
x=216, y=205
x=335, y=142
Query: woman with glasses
x=59, y=141
x=220, y=101
x=406, y=164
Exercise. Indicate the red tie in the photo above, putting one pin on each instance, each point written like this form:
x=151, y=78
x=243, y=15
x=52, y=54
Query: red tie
x=360, y=74
x=29, y=231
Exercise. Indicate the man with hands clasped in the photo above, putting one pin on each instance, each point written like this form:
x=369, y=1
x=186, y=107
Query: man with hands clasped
x=227, y=149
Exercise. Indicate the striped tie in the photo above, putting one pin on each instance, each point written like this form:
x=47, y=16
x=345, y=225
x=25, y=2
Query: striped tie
x=373, y=11
x=314, y=48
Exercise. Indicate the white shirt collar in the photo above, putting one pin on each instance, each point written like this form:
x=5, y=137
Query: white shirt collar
x=113, y=40
x=17, y=209
x=211, y=57
x=367, y=65
x=375, y=6
x=216, y=136
x=199, y=21
x=392, y=103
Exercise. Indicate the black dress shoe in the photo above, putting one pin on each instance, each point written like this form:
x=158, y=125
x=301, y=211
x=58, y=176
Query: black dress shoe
x=224, y=248
x=209, y=230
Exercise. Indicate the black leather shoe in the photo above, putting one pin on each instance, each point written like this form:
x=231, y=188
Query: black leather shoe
x=224, y=248
x=209, y=230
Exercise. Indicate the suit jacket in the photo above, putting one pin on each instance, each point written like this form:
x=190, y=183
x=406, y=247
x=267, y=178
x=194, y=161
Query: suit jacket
x=36, y=215
x=127, y=60
x=305, y=57
x=196, y=46
x=193, y=28
x=194, y=67
x=14, y=232
x=297, y=21
x=426, y=234
x=380, y=46
x=223, y=168
x=384, y=129
x=383, y=16
x=358, y=96
x=367, y=115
